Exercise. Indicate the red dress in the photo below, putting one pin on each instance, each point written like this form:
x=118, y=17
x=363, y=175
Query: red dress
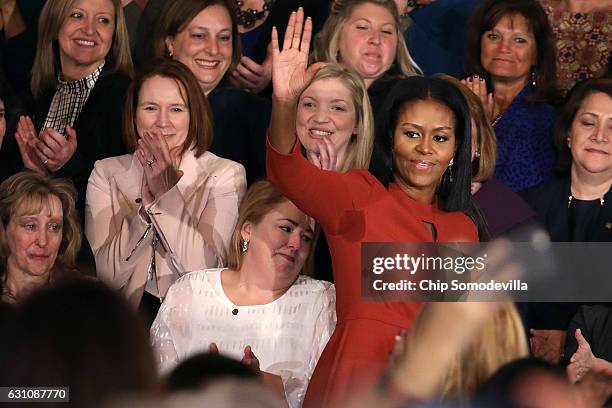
x=352, y=208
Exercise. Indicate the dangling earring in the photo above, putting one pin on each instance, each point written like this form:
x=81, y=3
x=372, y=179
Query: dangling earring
x=569, y=142
x=244, y=245
x=533, y=78
x=450, y=171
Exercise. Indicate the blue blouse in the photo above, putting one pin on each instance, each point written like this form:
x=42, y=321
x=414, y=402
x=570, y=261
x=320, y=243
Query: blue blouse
x=525, y=148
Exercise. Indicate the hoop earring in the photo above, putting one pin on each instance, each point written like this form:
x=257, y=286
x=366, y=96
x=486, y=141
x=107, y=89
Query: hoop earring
x=244, y=245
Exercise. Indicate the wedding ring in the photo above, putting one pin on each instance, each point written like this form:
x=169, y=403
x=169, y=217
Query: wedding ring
x=150, y=163
x=45, y=162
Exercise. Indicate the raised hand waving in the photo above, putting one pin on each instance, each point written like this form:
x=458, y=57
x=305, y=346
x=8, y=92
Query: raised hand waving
x=290, y=71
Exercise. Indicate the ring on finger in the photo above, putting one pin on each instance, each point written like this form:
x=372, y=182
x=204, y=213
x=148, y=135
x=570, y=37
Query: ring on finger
x=150, y=162
x=45, y=162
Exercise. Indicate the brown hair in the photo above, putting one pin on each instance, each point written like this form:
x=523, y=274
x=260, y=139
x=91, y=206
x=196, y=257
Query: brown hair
x=69, y=335
x=259, y=200
x=487, y=144
x=500, y=340
x=177, y=14
x=573, y=102
x=30, y=192
x=488, y=14
x=199, y=137
x=326, y=42
x=46, y=62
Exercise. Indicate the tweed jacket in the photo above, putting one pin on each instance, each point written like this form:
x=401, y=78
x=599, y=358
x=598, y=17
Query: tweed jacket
x=194, y=221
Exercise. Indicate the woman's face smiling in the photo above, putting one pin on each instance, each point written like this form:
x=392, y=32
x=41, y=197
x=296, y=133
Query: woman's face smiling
x=424, y=144
x=508, y=50
x=326, y=110
x=86, y=36
x=205, y=46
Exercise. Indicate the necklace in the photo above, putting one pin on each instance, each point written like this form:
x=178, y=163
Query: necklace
x=247, y=18
x=571, y=197
x=497, y=119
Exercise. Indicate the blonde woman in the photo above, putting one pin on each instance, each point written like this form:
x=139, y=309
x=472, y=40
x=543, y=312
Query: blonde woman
x=365, y=36
x=39, y=234
x=335, y=127
x=260, y=309
x=81, y=72
x=334, y=120
x=500, y=340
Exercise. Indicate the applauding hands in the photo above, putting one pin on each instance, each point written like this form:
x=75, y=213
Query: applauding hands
x=478, y=85
x=161, y=173
x=49, y=151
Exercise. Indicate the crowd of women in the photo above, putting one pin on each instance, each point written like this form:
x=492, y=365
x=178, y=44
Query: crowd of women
x=208, y=170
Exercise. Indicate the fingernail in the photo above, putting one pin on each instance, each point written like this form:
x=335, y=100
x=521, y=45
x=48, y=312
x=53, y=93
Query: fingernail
x=470, y=79
x=481, y=79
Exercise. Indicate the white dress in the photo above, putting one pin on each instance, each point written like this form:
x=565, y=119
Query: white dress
x=287, y=335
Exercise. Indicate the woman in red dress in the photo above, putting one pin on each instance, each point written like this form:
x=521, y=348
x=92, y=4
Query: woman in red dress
x=419, y=197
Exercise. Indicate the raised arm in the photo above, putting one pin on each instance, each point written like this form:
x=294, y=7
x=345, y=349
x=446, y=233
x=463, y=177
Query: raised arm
x=290, y=76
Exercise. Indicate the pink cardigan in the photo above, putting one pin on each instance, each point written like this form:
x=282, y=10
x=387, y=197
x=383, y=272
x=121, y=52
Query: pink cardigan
x=194, y=221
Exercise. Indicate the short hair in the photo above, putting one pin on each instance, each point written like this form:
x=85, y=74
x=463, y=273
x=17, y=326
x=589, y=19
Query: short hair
x=359, y=149
x=484, y=166
x=175, y=17
x=200, y=134
x=573, y=102
x=500, y=340
x=326, y=42
x=259, y=200
x=28, y=192
x=82, y=335
x=488, y=14
x=455, y=196
x=46, y=60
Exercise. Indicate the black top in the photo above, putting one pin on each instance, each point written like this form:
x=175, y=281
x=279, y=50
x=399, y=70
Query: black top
x=586, y=221
x=595, y=323
x=98, y=129
x=550, y=202
x=241, y=120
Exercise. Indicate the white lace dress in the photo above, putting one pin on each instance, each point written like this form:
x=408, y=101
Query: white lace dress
x=287, y=335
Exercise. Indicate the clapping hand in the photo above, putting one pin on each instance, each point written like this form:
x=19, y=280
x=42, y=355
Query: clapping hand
x=290, y=74
x=325, y=158
x=582, y=360
x=250, y=360
x=48, y=151
x=160, y=170
x=252, y=76
x=27, y=137
x=479, y=86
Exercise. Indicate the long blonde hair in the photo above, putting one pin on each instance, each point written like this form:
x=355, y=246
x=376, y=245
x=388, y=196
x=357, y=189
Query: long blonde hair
x=326, y=43
x=499, y=341
x=359, y=149
x=53, y=15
